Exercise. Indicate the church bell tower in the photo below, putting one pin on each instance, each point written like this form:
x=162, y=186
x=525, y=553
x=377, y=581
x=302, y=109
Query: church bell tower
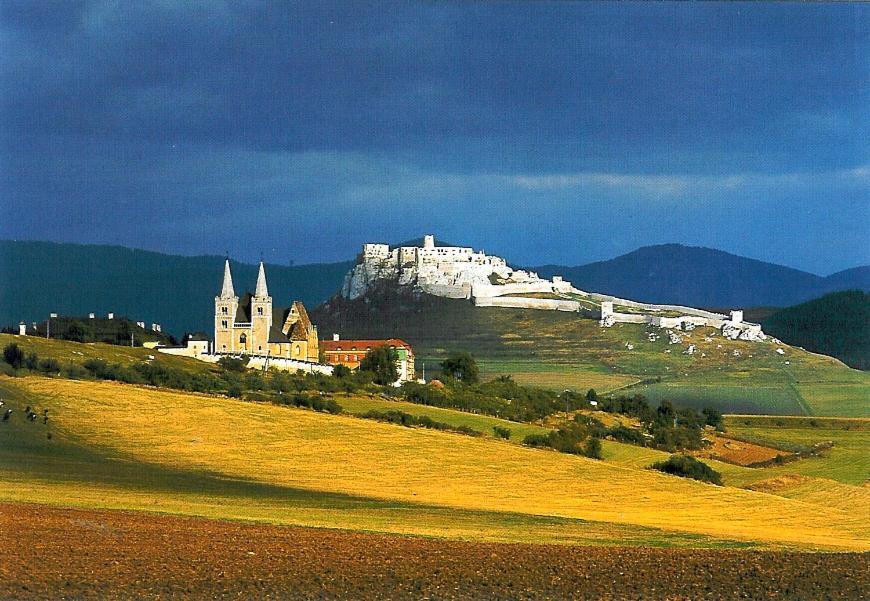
x=261, y=315
x=225, y=307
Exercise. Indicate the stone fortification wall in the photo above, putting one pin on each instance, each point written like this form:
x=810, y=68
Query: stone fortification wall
x=289, y=365
x=677, y=322
x=490, y=290
x=527, y=303
x=653, y=308
x=447, y=290
x=733, y=328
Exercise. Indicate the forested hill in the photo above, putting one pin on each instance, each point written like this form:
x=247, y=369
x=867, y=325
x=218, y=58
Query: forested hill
x=37, y=278
x=837, y=324
x=704, y=277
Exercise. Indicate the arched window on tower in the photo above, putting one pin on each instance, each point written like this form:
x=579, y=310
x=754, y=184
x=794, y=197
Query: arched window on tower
x=224, y=310
x=243, y=339
x=259, y=310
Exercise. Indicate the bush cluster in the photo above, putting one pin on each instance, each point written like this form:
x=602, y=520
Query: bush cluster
x=581, y=437
x=423, y=421
x=670, y=429
x=689, y=467
x=501, y=432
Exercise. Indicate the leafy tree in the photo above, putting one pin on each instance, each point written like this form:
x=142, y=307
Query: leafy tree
x=592, y=448
x=665, y=412
x=341, y=371
x=381, y=362
x=591, y=395
x=78, y=332
x=461, y=366
x=13, y=355
x=713, y=417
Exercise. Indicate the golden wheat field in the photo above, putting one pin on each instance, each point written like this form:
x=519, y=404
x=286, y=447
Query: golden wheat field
x=281, y=447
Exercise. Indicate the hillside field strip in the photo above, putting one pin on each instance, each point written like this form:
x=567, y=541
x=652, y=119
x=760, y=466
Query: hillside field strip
x=563, y=351
x=446, y=484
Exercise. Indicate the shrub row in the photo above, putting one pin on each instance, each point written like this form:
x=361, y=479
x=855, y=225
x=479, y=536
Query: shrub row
x=311, y=401
x=423, y=421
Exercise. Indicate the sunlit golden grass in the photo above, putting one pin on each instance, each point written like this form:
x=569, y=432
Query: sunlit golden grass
x=305, y=450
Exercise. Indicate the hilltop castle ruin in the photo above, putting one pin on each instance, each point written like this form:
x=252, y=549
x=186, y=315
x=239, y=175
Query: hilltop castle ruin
x=449, y=271
x=488, y=281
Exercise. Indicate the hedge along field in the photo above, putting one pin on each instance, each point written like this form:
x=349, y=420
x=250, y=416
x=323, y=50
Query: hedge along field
x=356, y=404
x=300, y=449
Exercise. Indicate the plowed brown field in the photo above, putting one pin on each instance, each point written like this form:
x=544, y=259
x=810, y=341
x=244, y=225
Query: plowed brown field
x=53, y=553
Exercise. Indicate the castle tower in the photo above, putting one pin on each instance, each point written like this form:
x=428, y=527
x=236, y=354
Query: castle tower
x=261, y=315
x=225, y=307
x=428, y=241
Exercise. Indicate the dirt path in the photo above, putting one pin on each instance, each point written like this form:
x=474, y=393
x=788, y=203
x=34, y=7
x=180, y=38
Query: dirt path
x=54, y=553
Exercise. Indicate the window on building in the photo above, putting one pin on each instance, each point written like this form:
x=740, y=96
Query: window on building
x=298, y=350
x=259, y=310
x=243, y=339
x=224, y=310
x=224, y=323
x=259, y=348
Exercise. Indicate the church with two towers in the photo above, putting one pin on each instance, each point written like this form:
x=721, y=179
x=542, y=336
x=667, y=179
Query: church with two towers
x=250, y=325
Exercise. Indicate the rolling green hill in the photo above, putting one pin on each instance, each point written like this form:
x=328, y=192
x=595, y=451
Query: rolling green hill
x=565, y=351
x=837, y=324
x=177, y=292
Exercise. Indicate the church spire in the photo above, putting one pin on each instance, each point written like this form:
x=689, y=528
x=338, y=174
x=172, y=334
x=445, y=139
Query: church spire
x=227, y=289
x=261, y=290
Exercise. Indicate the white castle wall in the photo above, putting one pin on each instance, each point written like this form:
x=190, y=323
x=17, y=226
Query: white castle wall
x=448, y=290
x=490, y=290
x=514, y=302
x=289, y=365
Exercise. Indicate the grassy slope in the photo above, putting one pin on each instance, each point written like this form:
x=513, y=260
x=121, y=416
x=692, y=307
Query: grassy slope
x=65, y=351
x=560, y=350
x=282, y=449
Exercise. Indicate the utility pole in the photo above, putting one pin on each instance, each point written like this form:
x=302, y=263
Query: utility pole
x=131, y=339
x=48, y=328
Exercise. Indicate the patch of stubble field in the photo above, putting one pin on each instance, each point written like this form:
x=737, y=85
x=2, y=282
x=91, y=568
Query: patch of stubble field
x=68, y=553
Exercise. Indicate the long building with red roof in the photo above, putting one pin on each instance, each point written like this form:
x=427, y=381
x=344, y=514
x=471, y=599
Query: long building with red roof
x=351, y=352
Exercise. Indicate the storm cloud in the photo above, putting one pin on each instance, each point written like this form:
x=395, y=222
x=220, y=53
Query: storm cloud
x=564, y=132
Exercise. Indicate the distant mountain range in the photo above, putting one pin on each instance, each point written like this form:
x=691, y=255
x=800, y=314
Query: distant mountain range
x=704, y=277
x=37, y=278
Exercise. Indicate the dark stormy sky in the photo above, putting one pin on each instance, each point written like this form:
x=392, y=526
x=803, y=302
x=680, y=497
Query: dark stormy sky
x=545, y=132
